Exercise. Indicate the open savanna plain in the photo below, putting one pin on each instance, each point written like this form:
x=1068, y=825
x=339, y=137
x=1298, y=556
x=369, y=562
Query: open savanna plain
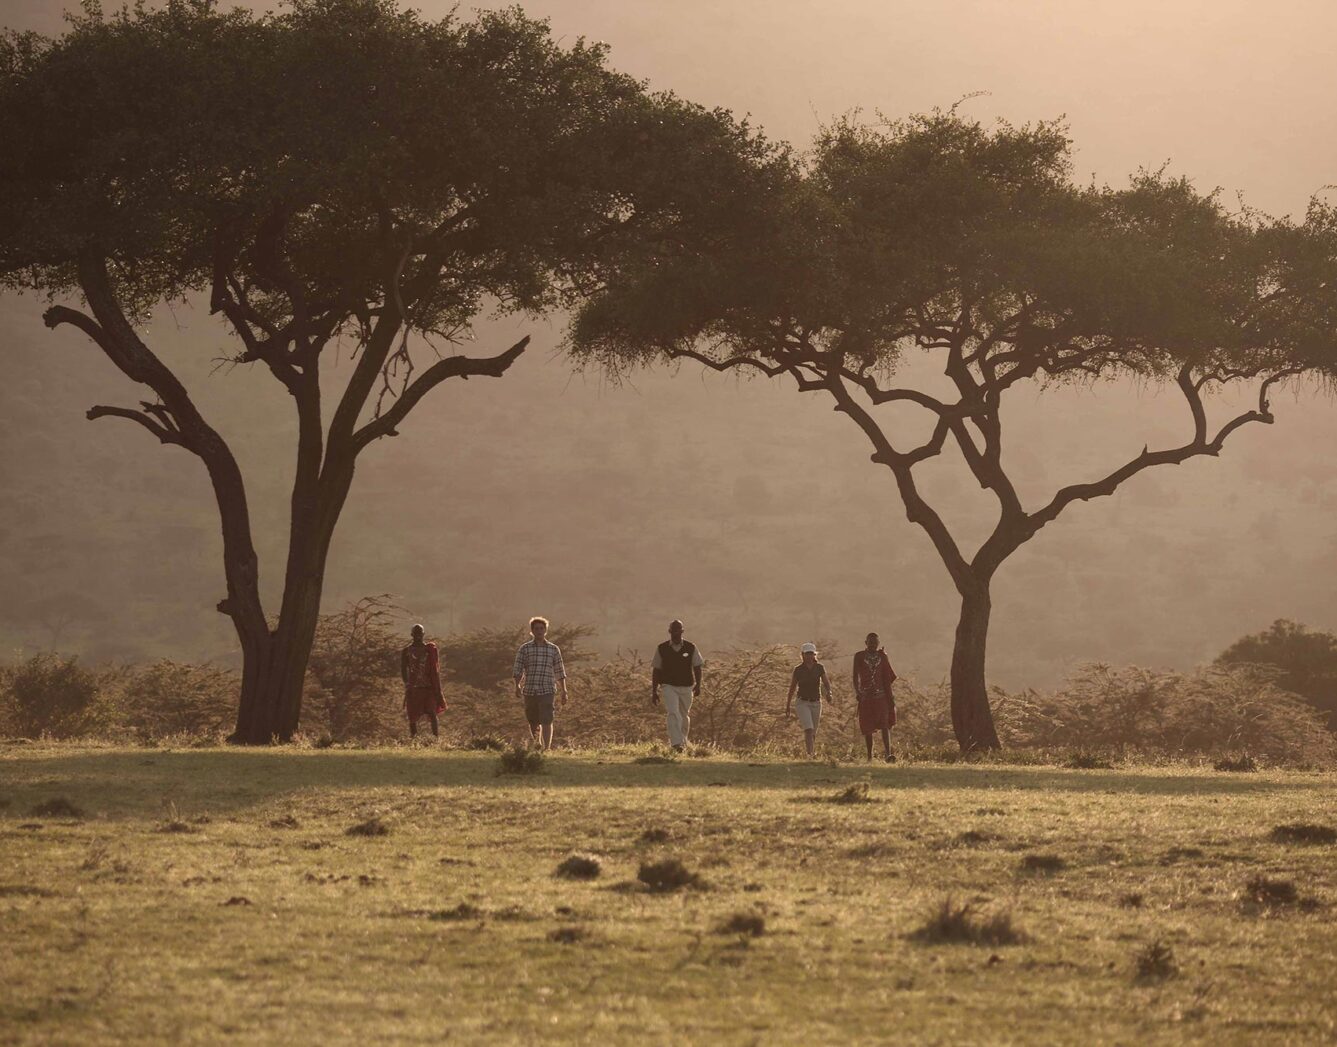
x=207, y=895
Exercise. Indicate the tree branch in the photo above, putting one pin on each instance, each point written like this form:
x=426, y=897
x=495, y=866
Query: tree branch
x=162, y=432
x=451, y=367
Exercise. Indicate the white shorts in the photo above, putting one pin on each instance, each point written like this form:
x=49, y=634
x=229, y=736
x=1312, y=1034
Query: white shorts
x=809, y=714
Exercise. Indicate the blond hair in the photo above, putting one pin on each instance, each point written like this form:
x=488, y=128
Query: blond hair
x=536, y=619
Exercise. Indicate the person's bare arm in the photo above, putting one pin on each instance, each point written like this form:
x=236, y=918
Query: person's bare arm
x=826, y=684
x=793, y=686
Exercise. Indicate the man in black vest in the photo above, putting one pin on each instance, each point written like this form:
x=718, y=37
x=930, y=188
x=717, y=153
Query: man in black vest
x=676, y=670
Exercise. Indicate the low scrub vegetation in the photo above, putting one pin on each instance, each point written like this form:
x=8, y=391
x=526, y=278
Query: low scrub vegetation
x=1234, y=715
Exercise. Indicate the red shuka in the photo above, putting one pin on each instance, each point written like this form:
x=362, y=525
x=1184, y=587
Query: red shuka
x=872, y=687
x=422, y=680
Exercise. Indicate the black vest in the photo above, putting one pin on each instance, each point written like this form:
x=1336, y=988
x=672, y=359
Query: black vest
x=677, y=665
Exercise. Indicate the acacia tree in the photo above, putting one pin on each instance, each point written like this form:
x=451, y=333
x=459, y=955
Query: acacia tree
x=337, y=173
x=936, y=236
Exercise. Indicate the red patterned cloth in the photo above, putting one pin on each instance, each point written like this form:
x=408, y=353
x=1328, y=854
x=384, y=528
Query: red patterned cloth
x=420, y=666
x=873, y=676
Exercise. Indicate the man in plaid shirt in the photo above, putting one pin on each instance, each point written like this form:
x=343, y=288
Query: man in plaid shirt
x=538, y=673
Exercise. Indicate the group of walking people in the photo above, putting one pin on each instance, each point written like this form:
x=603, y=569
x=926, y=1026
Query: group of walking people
x=675, y=679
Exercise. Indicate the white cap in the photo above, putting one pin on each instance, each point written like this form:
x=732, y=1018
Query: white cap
x=808, y=648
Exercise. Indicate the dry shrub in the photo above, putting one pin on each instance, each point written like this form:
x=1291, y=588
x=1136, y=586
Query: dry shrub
x=1155, y=963
x=580, y=867
x=47, y=695
x=56, y=807
x=1215, y=710
x=656, y=835
x=371, y=827
x=1265, y=890
x=520, y=760
x=1245, y=764
x=1046, y=864
x=168, y=698
x=856, y=792
x=751, y=924
x=667, y=875
x=949, y=922
x=1303, y=832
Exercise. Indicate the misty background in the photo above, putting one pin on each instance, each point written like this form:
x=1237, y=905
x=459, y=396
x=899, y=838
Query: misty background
x=567, y=495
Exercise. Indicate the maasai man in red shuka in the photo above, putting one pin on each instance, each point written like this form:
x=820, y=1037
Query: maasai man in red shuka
x=420, y=666
x=873, y=676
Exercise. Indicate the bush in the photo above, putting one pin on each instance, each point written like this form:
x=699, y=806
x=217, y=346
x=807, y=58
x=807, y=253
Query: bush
x=949, y=922
x=175, y=698
x=667, y=875
x=521, y=761
x=48, y=695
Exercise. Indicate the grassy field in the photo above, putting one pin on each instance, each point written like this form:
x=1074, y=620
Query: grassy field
x=211, y=895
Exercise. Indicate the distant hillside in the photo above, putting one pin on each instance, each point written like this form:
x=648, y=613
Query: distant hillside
x=745, y=508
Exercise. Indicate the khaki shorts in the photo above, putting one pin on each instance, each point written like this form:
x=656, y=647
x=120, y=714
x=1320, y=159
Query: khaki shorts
x=809, y=714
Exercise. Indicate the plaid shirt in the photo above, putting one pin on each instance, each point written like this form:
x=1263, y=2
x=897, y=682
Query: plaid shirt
x=541, y=666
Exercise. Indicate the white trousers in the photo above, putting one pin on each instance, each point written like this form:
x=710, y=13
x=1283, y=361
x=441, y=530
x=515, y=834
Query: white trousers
x=678, y=705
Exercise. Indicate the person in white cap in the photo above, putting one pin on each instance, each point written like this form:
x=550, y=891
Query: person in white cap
x=810, y=681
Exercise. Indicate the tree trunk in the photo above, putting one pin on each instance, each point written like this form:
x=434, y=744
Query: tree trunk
x=972, y=720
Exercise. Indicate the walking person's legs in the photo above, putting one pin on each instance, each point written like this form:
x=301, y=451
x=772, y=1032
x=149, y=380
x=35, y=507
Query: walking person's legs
x=674, y=712
x=886, y=745
x=868, y=744
x=435, y=732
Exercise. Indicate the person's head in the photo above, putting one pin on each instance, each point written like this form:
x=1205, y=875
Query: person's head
x=675, y=630
x=871, y=641
x=809, y=652
x=417, y=633
x=539, y=627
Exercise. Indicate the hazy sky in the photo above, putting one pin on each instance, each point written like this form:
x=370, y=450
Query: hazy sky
x=1235, y=93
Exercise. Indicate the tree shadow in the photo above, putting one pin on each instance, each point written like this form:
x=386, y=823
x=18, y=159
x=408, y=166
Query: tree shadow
x=117, y=784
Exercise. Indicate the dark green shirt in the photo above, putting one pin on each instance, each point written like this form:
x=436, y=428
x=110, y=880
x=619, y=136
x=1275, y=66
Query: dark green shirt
x=809, y=679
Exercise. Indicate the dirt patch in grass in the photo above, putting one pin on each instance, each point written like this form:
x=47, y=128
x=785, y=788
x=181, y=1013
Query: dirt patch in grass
x=463, y=911
x=579, y=867
x=1303, y=832
x=1176, y=854
x=175, y=825
x=750, y=924
x=236, y=900
x=1043, y=864
x=568, y=935
x=286, y=822
x=371, y=827
x=650, y=760
x=667, y=875
x=520, y=760
x=56, y=807
x=951, y=922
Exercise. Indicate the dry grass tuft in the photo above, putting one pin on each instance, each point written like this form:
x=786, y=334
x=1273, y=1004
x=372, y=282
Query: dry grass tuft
x=519, y=760
x=487, y=743
x=656, y=835
x=667, y=875
x=286, y=822
x=1264, y=890
x=975, y=837
x=1045, y=864
x=751, y=924
x=858, y=792
x=963, y=923
x=568, y=935
x=580, y=867
x=56, y=807
x=373, y=826
x=1156, y=963
x=1086, y=761
x=1303, y=832
x=1132, y=900
x=653, y=760
x=463, y=911
x=1244, y=764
